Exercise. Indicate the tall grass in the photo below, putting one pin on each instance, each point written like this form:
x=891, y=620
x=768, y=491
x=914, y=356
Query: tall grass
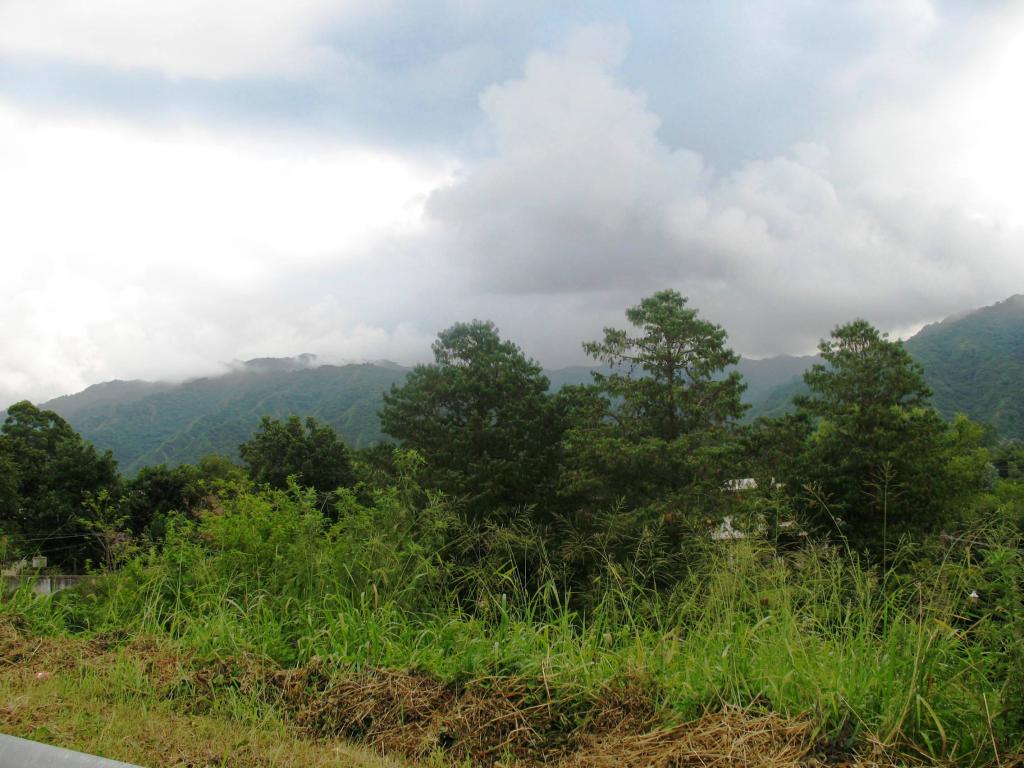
x=908, y=658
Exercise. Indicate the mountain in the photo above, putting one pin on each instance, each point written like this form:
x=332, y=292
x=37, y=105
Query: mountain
x=766, y=378
x=147, y=423
x=973, y=361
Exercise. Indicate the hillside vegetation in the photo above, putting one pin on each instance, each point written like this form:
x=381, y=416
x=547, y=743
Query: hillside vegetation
x=973, y=362
x=144, y=423
x=975, y=365
x=621, y=573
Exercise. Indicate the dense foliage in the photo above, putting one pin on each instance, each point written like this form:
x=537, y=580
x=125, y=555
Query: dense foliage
x=973, y=362
x=925, y=658
x=310, y=452
x=482, y=417
x=975, y=365
x=859, y=558
x=49, y=472
x=877, y=458
x=656, y=432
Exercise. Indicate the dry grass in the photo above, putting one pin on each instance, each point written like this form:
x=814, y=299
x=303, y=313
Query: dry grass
x=144, y=702
x=415, y=716
x=510, y=722
x=717, y=740
x=126, y=703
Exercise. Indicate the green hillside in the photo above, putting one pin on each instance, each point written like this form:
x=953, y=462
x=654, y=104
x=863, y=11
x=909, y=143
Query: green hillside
x=770, y=382
x=145, y=423
x=973, y=361
x=159, y=423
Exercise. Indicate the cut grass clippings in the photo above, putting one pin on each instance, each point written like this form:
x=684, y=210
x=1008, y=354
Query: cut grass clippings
x=146, y=702
x=128, y=703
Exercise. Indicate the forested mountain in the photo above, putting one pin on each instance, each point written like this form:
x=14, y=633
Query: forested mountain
x=767, y=377
x=145, y=423
x=974, y=362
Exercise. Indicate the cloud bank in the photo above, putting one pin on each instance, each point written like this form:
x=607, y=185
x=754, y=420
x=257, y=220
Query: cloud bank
x=787, y=169
x=582, y=197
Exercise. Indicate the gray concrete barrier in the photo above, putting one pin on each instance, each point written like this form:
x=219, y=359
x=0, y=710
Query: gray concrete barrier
x=42, y=585
x=22, y=753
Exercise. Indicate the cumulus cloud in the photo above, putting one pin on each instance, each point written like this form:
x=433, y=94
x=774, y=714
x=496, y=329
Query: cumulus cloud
x=787, y=165
x=581, y=196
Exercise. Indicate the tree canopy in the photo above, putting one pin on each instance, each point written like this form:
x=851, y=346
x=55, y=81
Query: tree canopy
x=482, y=418
x=877, y=459
x=309, y=451
x=655, y=429
x=680, y=359
x=54, y=472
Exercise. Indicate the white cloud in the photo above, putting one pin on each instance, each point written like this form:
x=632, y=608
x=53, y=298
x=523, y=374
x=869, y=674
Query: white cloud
x=953, y=140
x=180, y=38
x=581, y=196
x=136, y=251
x=131, y=252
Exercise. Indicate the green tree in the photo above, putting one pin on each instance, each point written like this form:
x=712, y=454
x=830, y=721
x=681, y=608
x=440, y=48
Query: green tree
x=106, y=520
x=55, y=470
x=657, y=429
x=9, y=500
x=680, y=358
x=878, y=461
x=773, y=447
x=481, y=417
x=155, y=492
x=311, y=452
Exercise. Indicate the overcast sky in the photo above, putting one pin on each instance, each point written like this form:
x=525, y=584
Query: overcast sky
x=184, y=183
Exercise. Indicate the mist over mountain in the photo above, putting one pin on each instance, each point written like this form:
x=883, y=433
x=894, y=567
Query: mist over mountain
x=974, y=362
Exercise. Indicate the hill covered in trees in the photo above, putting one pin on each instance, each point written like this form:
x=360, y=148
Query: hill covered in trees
x=145, y=423
x=973, y=362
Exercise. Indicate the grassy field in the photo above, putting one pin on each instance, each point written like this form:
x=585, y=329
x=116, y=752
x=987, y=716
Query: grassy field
x=263, y=635
x=118, y=702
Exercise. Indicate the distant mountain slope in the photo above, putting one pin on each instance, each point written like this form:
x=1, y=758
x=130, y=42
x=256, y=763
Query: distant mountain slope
x=179, y=423
x=766, y=378
x=108, y=394
x=974, y=363
x=146, y=423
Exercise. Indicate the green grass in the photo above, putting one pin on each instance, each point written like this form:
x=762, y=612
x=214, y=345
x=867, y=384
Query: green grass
x=906, y=659
x=109, y=704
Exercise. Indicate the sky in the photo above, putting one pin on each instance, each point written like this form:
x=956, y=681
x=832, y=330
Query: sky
x=185, y=183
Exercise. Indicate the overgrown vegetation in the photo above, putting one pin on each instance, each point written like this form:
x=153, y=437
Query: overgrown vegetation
x=616, y=573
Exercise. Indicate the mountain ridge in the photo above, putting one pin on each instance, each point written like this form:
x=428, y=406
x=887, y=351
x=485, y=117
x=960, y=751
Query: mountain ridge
x=974, y=362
